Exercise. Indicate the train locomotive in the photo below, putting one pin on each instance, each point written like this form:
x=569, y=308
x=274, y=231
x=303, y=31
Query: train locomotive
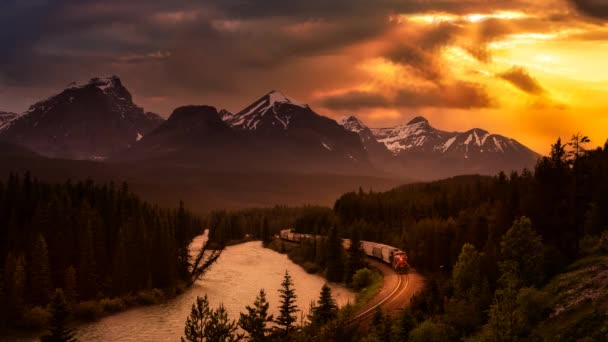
x=388, y=254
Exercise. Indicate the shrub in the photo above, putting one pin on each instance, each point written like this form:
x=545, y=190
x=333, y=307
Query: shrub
x=112, y=305
x=310, y=267
x=89, y=310
x=149, y=297
x=362, y=279
x=36, y=318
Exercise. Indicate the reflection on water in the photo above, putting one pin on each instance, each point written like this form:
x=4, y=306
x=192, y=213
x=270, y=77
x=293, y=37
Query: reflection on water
x=235, y=280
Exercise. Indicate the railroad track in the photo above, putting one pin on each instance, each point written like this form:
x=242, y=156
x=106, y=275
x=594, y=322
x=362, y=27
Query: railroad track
x=396, y=293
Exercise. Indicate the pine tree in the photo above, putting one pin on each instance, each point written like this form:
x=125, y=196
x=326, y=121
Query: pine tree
x=70, y=284
x=196, y=322
x=206, y=324
x=266, y=236
x=355, y=257
x=58, y=331
x=326, y=308
x=334, y=262
x=523, y=246
x=287, y=308
x=219, y=328
x=14, y=279
x=406, y=324
x=40, y=275
x=466, y=276
x=254, y=322
x=502, y=321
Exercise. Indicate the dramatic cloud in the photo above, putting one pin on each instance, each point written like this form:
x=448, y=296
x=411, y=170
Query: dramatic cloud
x=460, y=95
x=387, y=56
x=593, y=8
x=520, y=78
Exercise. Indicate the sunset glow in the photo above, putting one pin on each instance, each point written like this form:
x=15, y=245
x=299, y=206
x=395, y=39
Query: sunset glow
x=515, y=68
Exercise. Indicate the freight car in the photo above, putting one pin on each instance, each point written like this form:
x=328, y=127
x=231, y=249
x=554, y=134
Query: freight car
x=389, y=254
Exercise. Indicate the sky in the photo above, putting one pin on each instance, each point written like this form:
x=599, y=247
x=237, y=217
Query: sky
x=531, y=70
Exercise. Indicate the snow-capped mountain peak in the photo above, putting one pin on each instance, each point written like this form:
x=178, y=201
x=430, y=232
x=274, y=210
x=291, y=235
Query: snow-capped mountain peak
x=276, y=97
x=84, y=121
x=273, y=110
x=352, y=123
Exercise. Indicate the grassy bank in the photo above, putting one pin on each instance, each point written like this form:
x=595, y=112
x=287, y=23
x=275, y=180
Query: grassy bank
x=580, y=302
x=367, y=287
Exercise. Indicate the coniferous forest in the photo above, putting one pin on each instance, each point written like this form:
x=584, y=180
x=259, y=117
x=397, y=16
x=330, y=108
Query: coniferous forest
x=93, y=241
x=488, y=246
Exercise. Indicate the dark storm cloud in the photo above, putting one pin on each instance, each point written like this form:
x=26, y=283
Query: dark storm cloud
x=215, y=47
x=520, y=78
x=593, y=8
x=462, y=95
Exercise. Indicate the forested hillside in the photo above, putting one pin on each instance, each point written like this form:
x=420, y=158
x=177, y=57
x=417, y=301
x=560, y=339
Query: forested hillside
x=93, y=241
x=487, y=244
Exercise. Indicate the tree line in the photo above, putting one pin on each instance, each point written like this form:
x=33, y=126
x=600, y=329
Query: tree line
x=92, y=241
x=208, y=324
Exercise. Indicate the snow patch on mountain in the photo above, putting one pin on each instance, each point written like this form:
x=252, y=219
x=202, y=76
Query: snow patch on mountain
x=275, y=109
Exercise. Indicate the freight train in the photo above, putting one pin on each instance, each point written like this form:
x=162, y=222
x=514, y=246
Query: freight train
x=389, y=254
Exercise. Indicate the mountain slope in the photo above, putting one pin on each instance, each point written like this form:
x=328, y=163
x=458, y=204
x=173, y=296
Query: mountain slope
x=425, y=152
x=5, y=118
x=272, y=135
x=90, y=121
x=293, y=132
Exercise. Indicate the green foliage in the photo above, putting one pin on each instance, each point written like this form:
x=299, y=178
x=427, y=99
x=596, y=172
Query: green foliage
x=355, y=257
x=254, y=322
x=326, y=308
x=40, y=275
x=405, y=325
x=334, y=257
x=36, y=318
x=466, y=277
x=430, y=331
x=59, y=311
x=206, y=324
x=522, y=246
x=287, y=308
x=362, y=279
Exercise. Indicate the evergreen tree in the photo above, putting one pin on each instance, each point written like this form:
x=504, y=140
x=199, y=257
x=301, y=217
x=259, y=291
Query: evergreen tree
x=254, y=322
x=502, y=322
x=266, y=235
x=70, y=285
x=196, y=322
x=326, y=308
x=206, y=324
x=40, y=276
x=334, y=261
x=405, y=325
x=466, y=276
x=14, y=279
x=524, y=247
x=355, y=257
x=287, y=307
x=58, y=331
x=219, y=328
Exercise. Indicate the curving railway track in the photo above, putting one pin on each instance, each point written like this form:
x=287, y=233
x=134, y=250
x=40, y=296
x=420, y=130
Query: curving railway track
x=394, y=295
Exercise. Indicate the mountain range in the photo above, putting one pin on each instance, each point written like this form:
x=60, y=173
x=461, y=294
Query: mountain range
x=99, y=121
x=91, y=121
x=425, y=152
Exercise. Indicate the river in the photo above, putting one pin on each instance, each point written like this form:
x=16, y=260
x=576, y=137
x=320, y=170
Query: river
x=234, y=280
